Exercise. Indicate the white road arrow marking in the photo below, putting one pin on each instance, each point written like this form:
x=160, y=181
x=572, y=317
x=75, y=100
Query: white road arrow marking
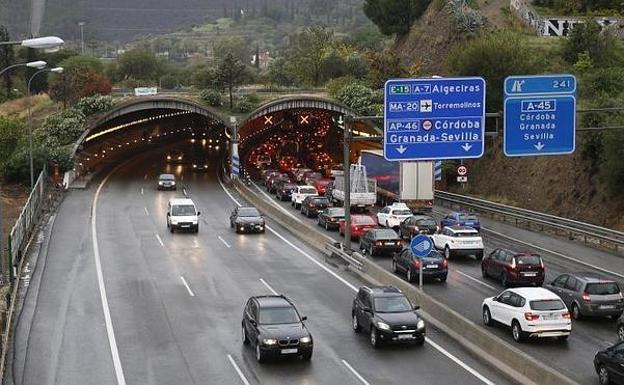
x=466, y=147
x=401, y=149
x=539, y=146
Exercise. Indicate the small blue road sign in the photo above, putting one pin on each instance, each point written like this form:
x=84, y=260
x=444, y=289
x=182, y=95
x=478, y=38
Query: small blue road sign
x=421, y=246
x=540, y=115
x=434, y=118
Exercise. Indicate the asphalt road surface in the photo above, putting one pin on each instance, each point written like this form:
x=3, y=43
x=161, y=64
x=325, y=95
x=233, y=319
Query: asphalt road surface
x=139, y=305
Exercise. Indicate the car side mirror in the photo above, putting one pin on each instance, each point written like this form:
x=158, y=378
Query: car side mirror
x=168, y=214
x=304, y=318
x=416, y=307
x=253, y=322
x=495, y=299
x=198, y=213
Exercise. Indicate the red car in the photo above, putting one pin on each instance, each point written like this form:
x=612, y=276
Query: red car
x=513, y=268
x=321, y=185
x=360, y=224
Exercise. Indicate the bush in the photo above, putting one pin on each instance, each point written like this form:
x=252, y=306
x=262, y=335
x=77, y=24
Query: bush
x=211, y=98
x=253, y=99
x=60, y=129
x=357, y=97
x=612, y=166
x=11, y=135
x=244, y=106
x=496, y=56
x=334, y=86
x=602, y=81
x=94, y=104
x=602, y=47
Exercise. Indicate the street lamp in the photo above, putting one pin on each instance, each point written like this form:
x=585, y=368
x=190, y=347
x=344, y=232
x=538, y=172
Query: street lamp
x=48, y=43
x=39, y=64
x=57, y=70
x=81, y=25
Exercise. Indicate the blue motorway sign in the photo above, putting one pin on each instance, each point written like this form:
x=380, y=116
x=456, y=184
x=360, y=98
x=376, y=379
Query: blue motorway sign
x=429, y=119
x=540, y=115
x=421, y=246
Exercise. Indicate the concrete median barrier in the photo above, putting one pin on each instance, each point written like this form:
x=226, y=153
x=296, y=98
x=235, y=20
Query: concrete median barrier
x=500, y=355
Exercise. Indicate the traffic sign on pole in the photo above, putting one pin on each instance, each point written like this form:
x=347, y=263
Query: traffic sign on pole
x=462, y=170
x=421, y=246
x=430, y=119
x=540, y=115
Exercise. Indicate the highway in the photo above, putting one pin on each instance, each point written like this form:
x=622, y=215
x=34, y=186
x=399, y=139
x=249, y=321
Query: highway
x=138, y=305
x=465, y=288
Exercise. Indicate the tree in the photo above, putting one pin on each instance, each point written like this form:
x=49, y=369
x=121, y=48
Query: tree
x=307, y=51
x=395, y=16
x=383, y=66
x=71, y=86
x=588, y=38
x=6, y=59
x=80, y=63
x=357, y=97
x=234, y=45
x=282, y=73
x=231, y=73
x=138, y=64
x=11, y=134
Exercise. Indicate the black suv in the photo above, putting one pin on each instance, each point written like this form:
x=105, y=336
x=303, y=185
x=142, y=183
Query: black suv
x=387, y=315
x=273, y=326
x=418, y=224
x=312, y=205
x=284, y=189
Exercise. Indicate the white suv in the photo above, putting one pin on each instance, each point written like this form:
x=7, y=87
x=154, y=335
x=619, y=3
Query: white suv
x=530, y=312
x=182, y=214
x=300, y=193
x=459, y=240
x=392, y=216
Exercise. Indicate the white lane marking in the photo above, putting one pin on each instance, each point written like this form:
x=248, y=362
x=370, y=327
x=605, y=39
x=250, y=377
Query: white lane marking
x=119, y=373
x=460, y=362
x=145, y=177
x=188, y=288
x=352, y=287
x=146, y=212
x=238, y=371
x=554, y=253
x=476, y=280
x=268, y=286
x=272, y=202
x=355, y=373
x=224, y=242
x=142, y=191
x=160, y=240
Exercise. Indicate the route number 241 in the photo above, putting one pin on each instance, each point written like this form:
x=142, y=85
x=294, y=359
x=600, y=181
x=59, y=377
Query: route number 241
x=562, y=84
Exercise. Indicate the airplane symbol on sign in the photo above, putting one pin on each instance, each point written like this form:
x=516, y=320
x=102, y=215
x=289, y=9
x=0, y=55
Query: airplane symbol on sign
x=304, y=119
x=426, y=105
x=268, y=120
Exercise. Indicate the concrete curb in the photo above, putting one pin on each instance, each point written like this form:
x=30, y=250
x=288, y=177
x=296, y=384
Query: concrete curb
x=503, y=357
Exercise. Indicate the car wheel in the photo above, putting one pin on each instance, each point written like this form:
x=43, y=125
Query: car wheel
x=563, y=338
x=260, y=357
x=387, y=224
x=326, y=226
x=171, y=229
x=603, y=375
x=484, y=273
x=394, y=267
x=244, y=334
x=420, y=342
x=374, y=338
x=307, y=356
x=370, y=251
x=443, y=278
x=487, y=316
x=447, y=252
x=621, y=332
x=356, y=325
x=576, y=312
x=516, y=331
x=479, y=255
x=409, y=275
x=504, y=280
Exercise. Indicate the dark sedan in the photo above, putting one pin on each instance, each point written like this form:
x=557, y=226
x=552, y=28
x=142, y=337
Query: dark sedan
x=283, y=190
x=247, y=220
x=609, y=365
x=166, y=182
x=330, y=218
x=273, y=326
x=275, y=180
x=380, y=241
x=312, y=205
x=418, y=224
x=434, y=265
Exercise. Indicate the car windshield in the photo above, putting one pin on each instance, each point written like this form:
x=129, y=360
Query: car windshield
x=336, y=212
x=528, y=260
x=183, y=210
x=401, y=212
x=602, y=288
x=289, y=186
x=363, y=220
x=321, y=201
x=386, y=234
x=394, y=304
x=547, y=304
x=466, y=234
x=278, y=315
x=426, y=222
x=167, y=177
x=248, y=212
x=309, y=190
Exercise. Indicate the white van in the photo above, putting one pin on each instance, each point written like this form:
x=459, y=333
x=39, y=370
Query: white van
x=182, y=214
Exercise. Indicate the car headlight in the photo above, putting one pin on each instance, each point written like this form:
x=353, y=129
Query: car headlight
x=168, y=157
x=269, y=341
x=160, y=183
x=383, y=326
x=179, y=158
x=420, y=324
x=306, y=340
x=173, y=183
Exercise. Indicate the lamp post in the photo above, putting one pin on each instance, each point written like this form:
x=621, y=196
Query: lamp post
x=47, y=43
x=39, y=64
x=81, y=25
x=30, y=147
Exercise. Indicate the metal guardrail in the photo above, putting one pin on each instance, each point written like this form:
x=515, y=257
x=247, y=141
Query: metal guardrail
x=587, y=230
x=340, y=252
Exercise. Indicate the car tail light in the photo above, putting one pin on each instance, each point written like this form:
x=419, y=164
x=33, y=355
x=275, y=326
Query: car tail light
x=445, y=263
x=416, y=263
x=356, y=228
x=566, y=315
x=378, y=243
x=311, y=205
x=586, y=297
x=542, y=263
x=437, y=228
x=531, y=316
x=513, y=264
